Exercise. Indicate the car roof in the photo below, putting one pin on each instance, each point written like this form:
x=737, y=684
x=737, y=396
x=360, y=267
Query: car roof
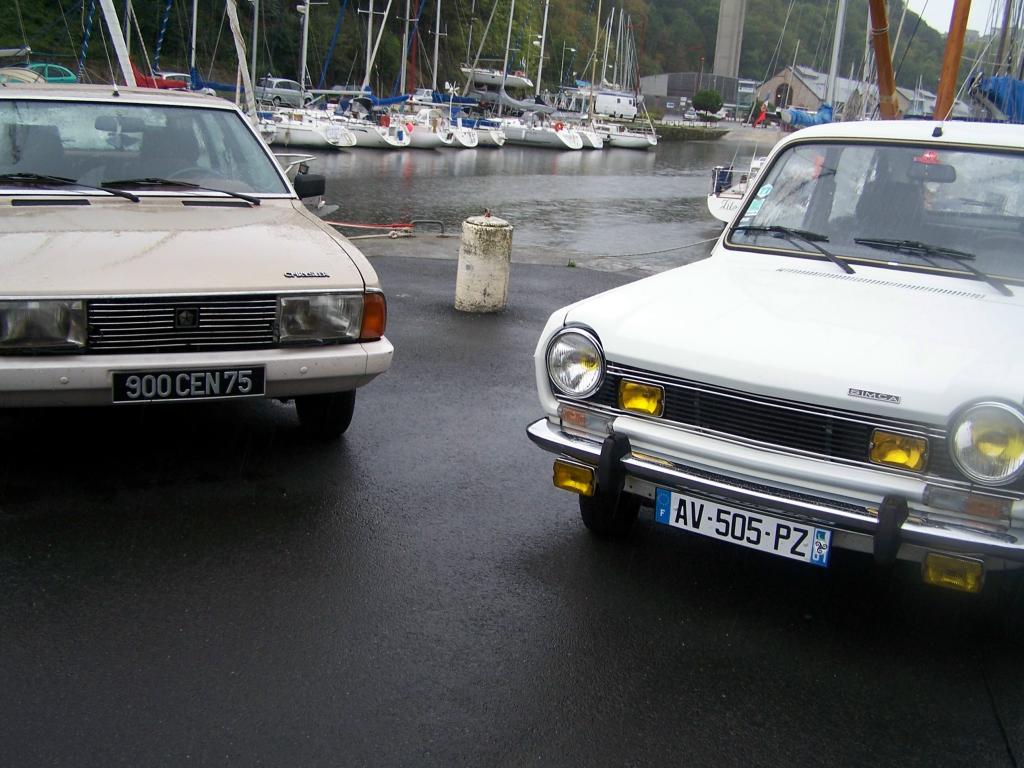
x=112, y=94
x=952, y=132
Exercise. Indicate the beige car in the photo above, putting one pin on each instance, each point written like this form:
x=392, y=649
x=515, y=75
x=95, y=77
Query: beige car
x=152, y=251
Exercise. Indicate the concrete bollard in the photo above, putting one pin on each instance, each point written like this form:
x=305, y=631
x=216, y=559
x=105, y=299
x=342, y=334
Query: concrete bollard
x=485, y=255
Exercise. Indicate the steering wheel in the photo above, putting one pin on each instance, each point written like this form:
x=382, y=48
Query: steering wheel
x=182, y=174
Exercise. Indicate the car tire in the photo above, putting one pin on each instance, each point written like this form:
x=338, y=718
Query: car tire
x=326, y=417
x=609, y=516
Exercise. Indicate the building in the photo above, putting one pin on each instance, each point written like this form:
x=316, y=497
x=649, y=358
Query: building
x=674, y=92
x=805, y=88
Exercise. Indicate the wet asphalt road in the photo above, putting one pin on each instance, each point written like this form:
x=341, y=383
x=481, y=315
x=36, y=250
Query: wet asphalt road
x=201, y=586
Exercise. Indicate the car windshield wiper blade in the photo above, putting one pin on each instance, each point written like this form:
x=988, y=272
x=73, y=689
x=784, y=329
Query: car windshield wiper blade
x=152, y=181
x=925, y=250
x=803, y=235
x=63, y=181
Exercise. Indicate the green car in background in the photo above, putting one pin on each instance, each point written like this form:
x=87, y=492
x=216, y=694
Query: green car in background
x=53, y=73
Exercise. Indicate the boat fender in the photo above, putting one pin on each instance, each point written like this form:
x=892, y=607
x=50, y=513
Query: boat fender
x=559, y=126
x=408, y=127
x=385, y=121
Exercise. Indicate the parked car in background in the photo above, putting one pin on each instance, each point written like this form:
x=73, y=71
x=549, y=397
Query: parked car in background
x=844, y=372
x=153, y=251
x=281, y=92
x=53, y=73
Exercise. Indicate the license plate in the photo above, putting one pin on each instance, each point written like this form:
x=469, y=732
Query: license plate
x=189, y=384
x=748, y=529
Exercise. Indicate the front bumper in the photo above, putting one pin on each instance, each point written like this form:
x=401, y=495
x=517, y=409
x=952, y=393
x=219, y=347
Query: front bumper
x=884, y=525
x=85, y=380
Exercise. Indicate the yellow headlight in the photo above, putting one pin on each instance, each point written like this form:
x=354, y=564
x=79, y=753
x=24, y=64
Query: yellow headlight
x=895, y=450
x=573, y=477
x=958, y=573
x=648, y=399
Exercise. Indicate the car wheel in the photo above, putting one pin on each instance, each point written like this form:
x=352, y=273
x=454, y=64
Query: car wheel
x=609, y=516
x=326, y=416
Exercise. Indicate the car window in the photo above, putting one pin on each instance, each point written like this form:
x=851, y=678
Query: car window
x=969, y=200
x=97, y=142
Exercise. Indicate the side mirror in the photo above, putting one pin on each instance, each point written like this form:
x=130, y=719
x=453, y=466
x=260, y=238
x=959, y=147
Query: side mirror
x=309, y=185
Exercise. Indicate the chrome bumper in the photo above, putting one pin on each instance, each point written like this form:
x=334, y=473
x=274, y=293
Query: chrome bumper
x=885, y=527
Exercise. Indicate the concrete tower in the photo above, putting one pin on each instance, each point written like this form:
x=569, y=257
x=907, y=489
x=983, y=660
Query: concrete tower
x=730, y=37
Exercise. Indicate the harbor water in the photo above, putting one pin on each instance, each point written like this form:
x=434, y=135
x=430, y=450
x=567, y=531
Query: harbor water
x=613, y=209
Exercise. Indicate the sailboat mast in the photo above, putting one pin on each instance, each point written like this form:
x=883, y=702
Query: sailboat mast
x=951, y=60
x=837, y=46
x=543, y=37
x=405, y=50
x=593, y=65
x=879, y=18
x=479, y=50
x=504, y=66
x=437, y=40
x=120, y=48
x=305, y=45
x=255, y=36
x=369, y=44
x=607, y=38
x=192, y=49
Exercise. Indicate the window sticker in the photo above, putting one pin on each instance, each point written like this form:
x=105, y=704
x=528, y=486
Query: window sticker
x=765, y=190
x=754, y=207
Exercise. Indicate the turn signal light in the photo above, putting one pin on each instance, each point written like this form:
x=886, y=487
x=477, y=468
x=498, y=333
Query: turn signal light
x=648, y=399
x=951, y=572
x=895, y=450
x=375, y=316
x=574, y=477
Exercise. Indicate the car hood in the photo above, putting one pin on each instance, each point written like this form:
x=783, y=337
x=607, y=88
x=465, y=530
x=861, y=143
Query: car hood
x=162, y=246
x=803, y=330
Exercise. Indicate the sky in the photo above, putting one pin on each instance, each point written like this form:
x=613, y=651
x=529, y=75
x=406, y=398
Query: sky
x=937, y=13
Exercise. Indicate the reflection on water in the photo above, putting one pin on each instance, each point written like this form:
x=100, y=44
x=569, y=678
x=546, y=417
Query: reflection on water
x=587, y=203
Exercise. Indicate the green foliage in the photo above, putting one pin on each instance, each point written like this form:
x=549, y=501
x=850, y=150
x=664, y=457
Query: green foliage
x=672, y=36
x=707, y=101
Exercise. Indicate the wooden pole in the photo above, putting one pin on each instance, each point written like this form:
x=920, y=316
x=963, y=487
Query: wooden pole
x=951, y=60
x=888, y=107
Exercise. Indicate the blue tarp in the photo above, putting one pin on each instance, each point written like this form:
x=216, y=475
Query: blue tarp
x=1007, y=93
x=800, y=119
x=198, y=83
x=445, y=98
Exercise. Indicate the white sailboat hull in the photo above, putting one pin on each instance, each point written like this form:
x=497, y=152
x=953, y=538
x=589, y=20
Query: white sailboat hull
x=465, y=138
x=372, y=136
x=494, y=77
x=422, y=137
x=591, y=139
x=542, y=136
x=621, y=137
x=490, y=137
x=305, y=135
x=724, y=205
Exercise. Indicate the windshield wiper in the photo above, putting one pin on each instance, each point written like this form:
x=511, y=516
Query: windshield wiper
x=802, y=235
x=925, y=250
x=151, y=181
x=63, y=181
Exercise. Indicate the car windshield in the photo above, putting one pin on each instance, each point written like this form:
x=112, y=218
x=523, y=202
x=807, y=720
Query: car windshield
x=92, y=143
x=895, y=205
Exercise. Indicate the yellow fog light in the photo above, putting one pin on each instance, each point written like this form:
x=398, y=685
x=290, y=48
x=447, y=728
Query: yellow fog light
x=641, y=398
x=897, y=450
x=577, y=478
x=953, y=572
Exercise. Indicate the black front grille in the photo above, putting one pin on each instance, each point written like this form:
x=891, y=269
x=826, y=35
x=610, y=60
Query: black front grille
x=183, y=324
x=828, y=433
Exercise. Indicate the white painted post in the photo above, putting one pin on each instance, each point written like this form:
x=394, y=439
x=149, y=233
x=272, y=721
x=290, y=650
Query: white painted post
x=485, y=256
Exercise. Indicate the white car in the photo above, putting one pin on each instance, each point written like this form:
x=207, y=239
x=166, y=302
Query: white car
x=153, y=251
x=846, y=370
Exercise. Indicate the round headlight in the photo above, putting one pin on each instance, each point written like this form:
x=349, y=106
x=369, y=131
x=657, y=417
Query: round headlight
x=575, y=363
x=987, y=443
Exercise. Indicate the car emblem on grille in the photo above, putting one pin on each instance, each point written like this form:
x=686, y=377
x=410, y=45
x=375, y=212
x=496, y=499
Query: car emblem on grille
x=866, y=395
x=186, y=317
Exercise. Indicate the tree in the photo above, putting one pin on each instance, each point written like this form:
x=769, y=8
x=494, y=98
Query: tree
x=707, y=101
